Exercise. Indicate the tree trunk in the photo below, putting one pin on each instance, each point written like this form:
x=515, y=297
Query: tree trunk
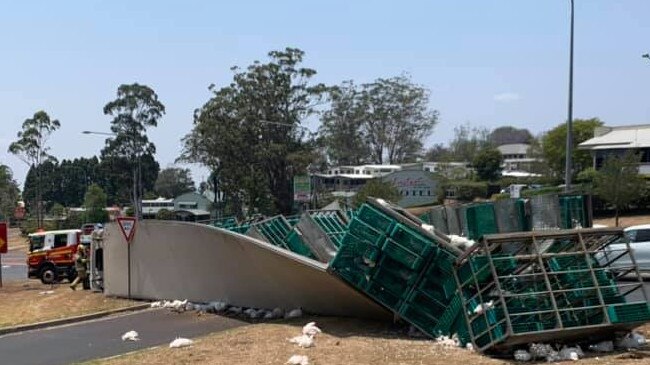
x=616, y=216
x=39, y=198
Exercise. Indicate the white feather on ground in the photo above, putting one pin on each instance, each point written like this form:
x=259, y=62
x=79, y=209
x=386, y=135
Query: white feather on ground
x=571, y=353
x=278, y=313
x=130, y=336
x=234, y=310
x=295, y=313
x=603, y=346
x=219, y=306
x=447, y=341
x=47, y=292
x=631, y=341
x=180, y=342
x=543, y=351
x=298, y=360
x=522, y=355
x=303, y=341
x=310, y=329
x=251, y=313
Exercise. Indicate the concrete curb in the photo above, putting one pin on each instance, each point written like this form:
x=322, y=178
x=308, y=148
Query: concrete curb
x=69, y=320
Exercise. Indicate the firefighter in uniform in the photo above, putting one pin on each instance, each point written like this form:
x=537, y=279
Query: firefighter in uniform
x=80, y=264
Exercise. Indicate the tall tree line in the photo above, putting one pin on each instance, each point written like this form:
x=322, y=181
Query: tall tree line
x=67, y=181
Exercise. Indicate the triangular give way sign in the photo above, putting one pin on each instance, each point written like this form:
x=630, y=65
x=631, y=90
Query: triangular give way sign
x=127, y=226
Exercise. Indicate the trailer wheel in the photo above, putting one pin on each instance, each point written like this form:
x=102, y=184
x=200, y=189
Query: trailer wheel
x=48, y=275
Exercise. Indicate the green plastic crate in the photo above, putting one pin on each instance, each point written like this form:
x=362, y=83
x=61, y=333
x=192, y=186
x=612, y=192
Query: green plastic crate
x=295, y=243
x=498, y=333
x=452, y=314
x=355, y=251
x=366, y=232
x=394, y=276
x=378, y=292
x=480, y=220
x=427, y=304
x=629, y=313
x=412, y=240
x=421, y=319
x=375, y=218
x=402, y=255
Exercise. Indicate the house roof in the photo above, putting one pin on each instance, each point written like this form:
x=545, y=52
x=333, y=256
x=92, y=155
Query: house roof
x=347, y=176
x=514, y=149
x=633, y=136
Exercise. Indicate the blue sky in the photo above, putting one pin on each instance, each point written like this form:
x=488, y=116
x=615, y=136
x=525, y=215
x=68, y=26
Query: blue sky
x=489, y=63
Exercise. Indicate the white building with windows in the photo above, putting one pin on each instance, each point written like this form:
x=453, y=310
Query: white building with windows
x=516, y=157
x=617, y=141
x=151, y=207
x=363, y=170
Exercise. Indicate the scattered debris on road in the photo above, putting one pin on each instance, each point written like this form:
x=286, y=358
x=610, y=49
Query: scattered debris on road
x=181, y=342
x=130, y=336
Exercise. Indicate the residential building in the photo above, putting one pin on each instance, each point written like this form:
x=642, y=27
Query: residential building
x=151, y=207
x=516, y=157
x=617, y=141
x=350, y=178
x=193, y=207
x=416, y=187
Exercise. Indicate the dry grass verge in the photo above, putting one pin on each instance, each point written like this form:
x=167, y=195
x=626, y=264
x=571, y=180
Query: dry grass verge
x=16, y=241
x=626, y=221
x=21, y=302
x=343, y=341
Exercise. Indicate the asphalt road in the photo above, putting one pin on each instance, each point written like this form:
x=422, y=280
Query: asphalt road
x=14, y=266
x=102, y=338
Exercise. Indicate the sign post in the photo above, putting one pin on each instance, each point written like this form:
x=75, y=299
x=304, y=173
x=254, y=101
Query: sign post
x=4, y=243
x=127, y=226
x=302, y=189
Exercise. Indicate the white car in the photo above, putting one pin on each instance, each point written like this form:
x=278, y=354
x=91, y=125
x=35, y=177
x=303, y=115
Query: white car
x=639, y=237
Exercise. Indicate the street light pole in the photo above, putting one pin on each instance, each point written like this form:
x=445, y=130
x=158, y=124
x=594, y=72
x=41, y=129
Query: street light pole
x=569, y=123
x=137, y=179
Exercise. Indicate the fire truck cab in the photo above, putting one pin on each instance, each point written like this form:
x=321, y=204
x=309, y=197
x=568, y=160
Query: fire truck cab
x=51, y=255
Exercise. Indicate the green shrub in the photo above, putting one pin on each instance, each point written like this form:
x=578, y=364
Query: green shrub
x=466, y=190
x=500, y=196
x=542, y=191
x=165, y=215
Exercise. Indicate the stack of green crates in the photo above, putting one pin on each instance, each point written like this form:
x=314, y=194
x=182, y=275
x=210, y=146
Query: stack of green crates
x=332, y=223
x=479, y=220
x=226, y=223
x=242, y=228
x=295, y=243
x=573, y=210
x=401, y=268
x=275, y=230
x=279, y=232
x=577, y=282
x=293, y=220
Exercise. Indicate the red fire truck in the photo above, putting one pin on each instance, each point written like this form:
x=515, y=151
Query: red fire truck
x=51, y=255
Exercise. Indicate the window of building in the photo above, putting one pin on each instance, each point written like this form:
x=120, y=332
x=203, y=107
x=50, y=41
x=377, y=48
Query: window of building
x=187, y=205
x=420, y=192
x=406, y=193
